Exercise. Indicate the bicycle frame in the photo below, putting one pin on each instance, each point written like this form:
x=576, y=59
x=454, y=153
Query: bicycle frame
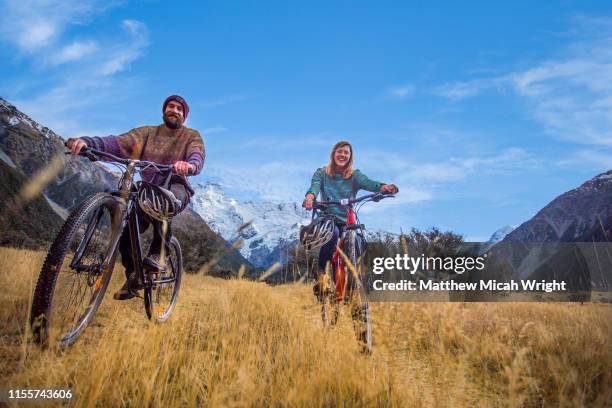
x=126, y=217
x=341, y=266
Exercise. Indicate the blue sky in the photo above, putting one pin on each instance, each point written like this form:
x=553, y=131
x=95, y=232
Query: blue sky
x=482, y=113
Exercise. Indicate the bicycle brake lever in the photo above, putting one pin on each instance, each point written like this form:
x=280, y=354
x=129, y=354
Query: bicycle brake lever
x=380, y=196
x=86, y=152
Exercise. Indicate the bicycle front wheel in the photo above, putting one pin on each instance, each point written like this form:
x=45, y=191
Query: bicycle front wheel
x=327, y=297
x=76, y=272
x=357, y=297
x=161, y=292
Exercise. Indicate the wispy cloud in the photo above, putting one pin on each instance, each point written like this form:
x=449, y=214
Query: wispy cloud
x=459, y=168
x=456, y=91
x=66, y=106
x=74, y=52
x=214, y=129
x=570, y=96
x=79, y=73
x=35, y=24
x=400, y=92
x=587, y=158
x=222, y=101
x=276, y=181
x=119, y=56
x=293, y=141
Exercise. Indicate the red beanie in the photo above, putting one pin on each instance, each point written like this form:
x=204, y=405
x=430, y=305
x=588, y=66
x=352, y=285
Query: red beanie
x=180, y=100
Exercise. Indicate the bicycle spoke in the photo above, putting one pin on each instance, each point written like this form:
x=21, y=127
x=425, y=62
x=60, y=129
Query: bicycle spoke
x=67, y=292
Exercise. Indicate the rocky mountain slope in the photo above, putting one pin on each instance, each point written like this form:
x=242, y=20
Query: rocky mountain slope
x=568, y=239
x=30, y=225
x=583, y=214
x=26, y=148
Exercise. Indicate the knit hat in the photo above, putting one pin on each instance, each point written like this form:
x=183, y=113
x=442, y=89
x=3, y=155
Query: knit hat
x=180, y=100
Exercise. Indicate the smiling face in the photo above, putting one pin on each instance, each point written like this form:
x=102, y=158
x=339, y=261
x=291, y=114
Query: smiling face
x=174, y=115
x=342, y=156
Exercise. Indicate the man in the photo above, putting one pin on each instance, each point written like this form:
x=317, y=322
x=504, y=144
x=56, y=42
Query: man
x=168, y=143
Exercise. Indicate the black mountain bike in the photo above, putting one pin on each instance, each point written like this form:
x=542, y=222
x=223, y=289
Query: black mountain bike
x=343, y=283
x=79, y=265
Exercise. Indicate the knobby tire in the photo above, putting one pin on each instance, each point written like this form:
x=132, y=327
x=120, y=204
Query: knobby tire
x=41, y=317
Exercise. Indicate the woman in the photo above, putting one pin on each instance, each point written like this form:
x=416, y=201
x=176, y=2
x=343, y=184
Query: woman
x=334, y=182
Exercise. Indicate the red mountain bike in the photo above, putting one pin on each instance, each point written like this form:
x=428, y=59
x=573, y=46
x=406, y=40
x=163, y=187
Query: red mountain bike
x=343, y=283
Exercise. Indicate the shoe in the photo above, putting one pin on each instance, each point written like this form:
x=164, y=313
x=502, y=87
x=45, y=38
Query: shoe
x=151, y=264
x=316, y=290
x=320, y=292
x=124, y=293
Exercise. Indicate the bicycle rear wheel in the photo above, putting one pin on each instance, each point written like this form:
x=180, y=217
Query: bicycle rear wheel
x=161, y=292
x=356, y=295
x=74, y=276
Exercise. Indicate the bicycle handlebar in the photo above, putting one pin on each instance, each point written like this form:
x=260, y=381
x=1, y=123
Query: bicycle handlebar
x=350, y=201
x=93, y=154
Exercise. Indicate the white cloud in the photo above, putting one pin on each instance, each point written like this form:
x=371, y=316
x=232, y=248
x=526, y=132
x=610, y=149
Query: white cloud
x=276, y=181
x=65, y=107
x=79, y=73
x=570, y=96
x=586, y=158
x=214, y=129
x=460, y=168
x=460, y=90
x=222, y=101
x=294, y=141
x=37, y=35
x=400, y=92
x=119, y=56
x=32, y=25
x=74, y=52
x=286, y=181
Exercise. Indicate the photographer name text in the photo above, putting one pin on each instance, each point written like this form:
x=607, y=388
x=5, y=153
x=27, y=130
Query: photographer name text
x=489, y=285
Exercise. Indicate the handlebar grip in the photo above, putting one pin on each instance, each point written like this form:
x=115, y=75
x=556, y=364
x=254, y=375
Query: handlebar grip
x=190, y=172
x=83, y=149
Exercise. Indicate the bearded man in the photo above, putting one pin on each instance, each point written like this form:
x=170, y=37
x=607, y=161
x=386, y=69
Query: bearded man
x=168, y=143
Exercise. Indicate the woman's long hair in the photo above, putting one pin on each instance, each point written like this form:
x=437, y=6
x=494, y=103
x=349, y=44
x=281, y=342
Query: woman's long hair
x=330, y=169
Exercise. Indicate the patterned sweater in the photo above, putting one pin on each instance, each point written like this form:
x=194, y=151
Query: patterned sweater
x=158, y=144
x=336, y=188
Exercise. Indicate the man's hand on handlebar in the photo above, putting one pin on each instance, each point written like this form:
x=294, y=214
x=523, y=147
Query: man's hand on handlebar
x=183, y=168
x=308, y=201
x=389, y=189
x=75, y=145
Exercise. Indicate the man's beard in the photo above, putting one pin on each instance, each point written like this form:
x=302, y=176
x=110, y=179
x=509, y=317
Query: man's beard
x=173, y=122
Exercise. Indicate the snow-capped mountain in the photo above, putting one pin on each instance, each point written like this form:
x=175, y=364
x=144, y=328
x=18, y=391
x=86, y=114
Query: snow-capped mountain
x=496, y=237
x=500, y=234
x=270, y=226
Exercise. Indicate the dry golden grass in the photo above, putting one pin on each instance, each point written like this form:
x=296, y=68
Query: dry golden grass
x=242, y=343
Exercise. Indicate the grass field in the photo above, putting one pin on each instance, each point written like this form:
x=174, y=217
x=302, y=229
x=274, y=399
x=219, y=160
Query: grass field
x=241, y=343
